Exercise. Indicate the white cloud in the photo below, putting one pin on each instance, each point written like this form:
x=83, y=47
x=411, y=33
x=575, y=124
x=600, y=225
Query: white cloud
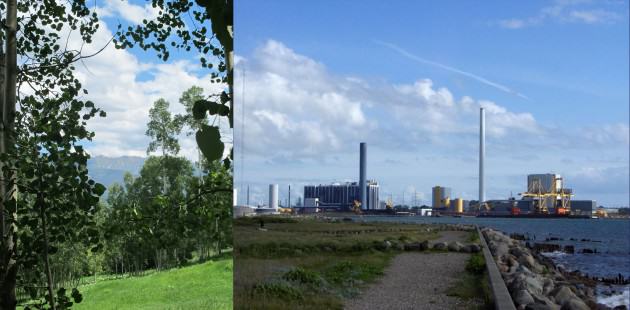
x=130, y=12
x=295, y=106
x=607, y=134
x=125, y=88
x=291, y=101
x=512, y=23
x=594, y=16
x=565, y=11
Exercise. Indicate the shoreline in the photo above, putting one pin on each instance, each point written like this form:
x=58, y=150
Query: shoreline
x=533, y=279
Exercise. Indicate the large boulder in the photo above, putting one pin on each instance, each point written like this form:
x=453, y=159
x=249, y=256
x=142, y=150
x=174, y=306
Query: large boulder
x=386, y=245
x=574, y=304
x=499, y=249
x=548, y=286
x=498, y=237
x=424, y=245
x=563, y=296
x=518, y=251
x=529, y=261
x=523, y=281
x=474, y=248
x=511, y=260
x=545, y=302
x=441, y=246
x=455, y=246
x=415, y=246
x=522, y=298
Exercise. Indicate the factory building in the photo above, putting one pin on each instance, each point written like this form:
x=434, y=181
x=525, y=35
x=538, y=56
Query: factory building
x=583, y=207
x=342, y=196
x=441, y=197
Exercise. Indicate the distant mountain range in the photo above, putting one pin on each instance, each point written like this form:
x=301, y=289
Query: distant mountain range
x=110, y=170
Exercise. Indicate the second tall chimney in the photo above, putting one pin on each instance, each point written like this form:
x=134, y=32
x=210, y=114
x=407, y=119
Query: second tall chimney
x=482, y=154
x=362, y=172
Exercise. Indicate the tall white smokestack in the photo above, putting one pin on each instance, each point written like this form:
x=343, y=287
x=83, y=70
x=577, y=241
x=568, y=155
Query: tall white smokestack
x=482, y=154
x=273, y=196
x=362, y=175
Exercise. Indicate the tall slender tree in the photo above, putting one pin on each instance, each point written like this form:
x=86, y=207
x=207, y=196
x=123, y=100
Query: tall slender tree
x=40, y=157
x=163, y=129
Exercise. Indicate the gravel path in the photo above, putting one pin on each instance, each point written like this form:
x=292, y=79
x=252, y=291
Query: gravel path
x=417, y=280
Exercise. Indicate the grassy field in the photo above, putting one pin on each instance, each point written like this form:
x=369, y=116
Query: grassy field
x=202, y=286
x=311, y=264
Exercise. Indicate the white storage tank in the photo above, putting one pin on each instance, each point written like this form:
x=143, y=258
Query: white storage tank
x=273, y=196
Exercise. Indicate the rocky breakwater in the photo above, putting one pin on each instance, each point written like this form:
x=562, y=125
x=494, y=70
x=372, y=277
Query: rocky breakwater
x=533, y=281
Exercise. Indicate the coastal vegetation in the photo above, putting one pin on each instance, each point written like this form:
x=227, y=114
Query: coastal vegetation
x=474, y=283
x=309, y=263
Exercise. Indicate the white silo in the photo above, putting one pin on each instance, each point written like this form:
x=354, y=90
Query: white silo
x=273, y=196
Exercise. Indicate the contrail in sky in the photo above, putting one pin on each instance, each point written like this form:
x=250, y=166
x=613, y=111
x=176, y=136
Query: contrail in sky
x=445, y=67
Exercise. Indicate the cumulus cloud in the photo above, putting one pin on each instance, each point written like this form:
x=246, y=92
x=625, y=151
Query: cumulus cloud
x=126, y=87
x=291, y=101
x=130, y=12
x=294, y=105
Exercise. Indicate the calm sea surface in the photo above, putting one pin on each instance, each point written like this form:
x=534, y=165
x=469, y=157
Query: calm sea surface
x=610, y=237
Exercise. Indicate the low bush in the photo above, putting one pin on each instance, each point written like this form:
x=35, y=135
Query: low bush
x=476, y=264
x=303, y=276
x=278, y=290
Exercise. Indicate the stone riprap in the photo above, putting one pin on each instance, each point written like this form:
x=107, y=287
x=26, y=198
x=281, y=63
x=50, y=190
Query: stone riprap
x=533, y=281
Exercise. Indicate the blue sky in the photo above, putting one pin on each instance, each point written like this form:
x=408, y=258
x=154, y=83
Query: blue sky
x=554, y=73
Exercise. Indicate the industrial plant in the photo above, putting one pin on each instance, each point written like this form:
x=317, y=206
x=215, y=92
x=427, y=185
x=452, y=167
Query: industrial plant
x=545, y=195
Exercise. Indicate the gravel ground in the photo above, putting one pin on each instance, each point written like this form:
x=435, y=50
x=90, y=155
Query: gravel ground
x=417, y=281
x=449, y=236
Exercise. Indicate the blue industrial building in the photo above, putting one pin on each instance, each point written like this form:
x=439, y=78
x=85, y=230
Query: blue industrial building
x=342, y=196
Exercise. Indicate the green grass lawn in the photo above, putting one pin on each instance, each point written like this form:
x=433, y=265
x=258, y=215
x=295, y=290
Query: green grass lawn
x=202, y=286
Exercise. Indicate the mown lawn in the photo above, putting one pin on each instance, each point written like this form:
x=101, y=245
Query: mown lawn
x=203, y=286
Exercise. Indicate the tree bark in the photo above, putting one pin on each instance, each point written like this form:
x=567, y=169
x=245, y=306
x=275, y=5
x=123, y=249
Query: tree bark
x=8, y=263
x=49, y=279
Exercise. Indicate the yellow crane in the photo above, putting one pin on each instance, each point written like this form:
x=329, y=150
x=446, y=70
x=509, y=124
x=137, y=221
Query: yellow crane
x=559, y=198
x=389, y=205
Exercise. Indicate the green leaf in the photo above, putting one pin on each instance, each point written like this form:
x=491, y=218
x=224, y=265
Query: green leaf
x=99, y=189
x=209, y=142
x=199, y=109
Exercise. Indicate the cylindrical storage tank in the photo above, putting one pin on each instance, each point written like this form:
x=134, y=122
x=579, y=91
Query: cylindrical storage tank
x=273, y=196
x=436, y=197
x=459, y=205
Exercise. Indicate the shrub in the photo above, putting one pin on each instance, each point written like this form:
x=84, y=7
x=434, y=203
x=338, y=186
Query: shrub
x=278, y=290
x=476, y=264
x=303, y=276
